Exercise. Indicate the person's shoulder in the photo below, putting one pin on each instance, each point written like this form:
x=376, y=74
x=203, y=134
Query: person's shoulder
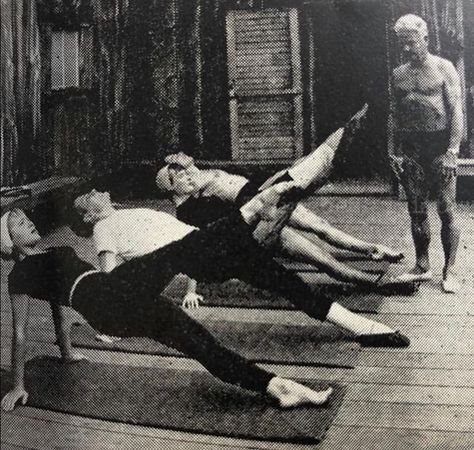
x=220, y=172
x=20, y=276
x=401, y=70
x=160, y=216
x=16, y=278
x=443, y=64
x=104, y=226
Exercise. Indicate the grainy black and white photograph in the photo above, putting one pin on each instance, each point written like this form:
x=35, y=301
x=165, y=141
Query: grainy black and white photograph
x=237, y=224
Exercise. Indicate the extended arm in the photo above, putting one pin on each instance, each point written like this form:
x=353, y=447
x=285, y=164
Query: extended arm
x=20, y=307
x=454, y=103
x=396, y=160
x=62, y=328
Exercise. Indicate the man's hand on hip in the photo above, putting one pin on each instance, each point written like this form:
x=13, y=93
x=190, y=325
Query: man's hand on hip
x=449, y=163
x=396, y=163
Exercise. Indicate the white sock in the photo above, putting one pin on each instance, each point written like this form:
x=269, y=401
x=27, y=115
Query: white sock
x=354, y=322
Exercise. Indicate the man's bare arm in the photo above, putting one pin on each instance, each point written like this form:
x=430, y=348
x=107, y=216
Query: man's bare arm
x=454, y=103
x=107, y=261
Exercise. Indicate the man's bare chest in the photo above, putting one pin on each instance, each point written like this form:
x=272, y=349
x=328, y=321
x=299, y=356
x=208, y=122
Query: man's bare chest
x=414, y=83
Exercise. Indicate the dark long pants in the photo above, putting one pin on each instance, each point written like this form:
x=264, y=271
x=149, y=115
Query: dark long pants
x=127, y=301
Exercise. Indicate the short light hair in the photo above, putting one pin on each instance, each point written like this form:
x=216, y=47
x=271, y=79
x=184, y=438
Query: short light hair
x=411, y=23
x=163, y=179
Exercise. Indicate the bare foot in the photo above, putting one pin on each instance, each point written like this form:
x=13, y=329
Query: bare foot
x=383, y=253
x=106, y=339
x=291, y=394
x=418, y=273
x=450, y=284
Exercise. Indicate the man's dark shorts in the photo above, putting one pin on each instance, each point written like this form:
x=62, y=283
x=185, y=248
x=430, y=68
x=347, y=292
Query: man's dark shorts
x=422, y=175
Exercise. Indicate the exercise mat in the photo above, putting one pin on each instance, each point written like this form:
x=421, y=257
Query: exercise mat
x=323, y=345
x=237, y=294
x=165, y=398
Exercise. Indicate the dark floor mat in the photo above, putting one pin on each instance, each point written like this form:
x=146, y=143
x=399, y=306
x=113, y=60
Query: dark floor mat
x=237, y=294
x=164, y=398
x=320, y=345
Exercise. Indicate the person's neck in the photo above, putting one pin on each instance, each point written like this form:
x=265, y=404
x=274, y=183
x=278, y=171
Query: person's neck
x=24, y=252
x=419, y=63
x=180, y=199
x=207, y=177
x=107, y=212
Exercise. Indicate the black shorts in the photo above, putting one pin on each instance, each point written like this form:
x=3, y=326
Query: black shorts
x=249, y=191
x=422, y=175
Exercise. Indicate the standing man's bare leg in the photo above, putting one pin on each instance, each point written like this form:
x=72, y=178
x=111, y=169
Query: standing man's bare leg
x=450, y=233
x=416, y=189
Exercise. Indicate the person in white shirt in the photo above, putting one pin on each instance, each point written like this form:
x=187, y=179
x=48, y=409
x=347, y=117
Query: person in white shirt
x=125, y=234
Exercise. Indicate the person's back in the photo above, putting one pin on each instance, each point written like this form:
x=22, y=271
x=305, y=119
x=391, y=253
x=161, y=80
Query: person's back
x=130, y=233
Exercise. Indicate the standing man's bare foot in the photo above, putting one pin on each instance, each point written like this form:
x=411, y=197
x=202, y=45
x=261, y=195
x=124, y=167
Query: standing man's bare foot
x=450, y=283
x=291, y=394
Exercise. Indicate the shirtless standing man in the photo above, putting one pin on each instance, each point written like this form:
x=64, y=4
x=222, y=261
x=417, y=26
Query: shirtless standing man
x=428, y=130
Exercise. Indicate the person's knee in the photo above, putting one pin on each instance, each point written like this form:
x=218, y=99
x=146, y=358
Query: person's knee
x=302, y=216
x=446, y=208
x=289, y=239
x=419, y=216
x=448, y=218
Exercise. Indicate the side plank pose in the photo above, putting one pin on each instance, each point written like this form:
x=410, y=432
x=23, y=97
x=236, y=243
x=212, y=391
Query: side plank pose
x=125, y=234
x=428, y=118
x=126, y=301
x=203, y=196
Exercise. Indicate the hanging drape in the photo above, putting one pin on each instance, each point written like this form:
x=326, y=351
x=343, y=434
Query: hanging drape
x=20, y=89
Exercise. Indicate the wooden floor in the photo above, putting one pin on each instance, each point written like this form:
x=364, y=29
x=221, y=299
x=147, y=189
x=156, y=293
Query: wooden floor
x=418, y=398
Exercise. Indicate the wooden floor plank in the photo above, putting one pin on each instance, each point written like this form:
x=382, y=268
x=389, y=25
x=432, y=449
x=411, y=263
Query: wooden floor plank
x=7, y=446
x=94, y=430
x=415, y=360
x=365, y=438
x=422, y=395
x=407, y=416
x=374, y=375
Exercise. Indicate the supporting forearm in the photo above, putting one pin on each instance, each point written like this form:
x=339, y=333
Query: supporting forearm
x=192, y=286
x=62, y=329
x=18, y=359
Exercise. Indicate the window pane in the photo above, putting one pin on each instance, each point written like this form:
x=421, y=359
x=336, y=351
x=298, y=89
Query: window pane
x=57, y=80
x=71, y=59
x=64, y=59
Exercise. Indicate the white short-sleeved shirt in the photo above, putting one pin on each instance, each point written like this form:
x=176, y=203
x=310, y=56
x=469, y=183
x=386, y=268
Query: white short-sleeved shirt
x=130, y=233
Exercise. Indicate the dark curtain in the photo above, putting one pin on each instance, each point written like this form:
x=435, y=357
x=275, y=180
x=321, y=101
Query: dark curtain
x=20, y=90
